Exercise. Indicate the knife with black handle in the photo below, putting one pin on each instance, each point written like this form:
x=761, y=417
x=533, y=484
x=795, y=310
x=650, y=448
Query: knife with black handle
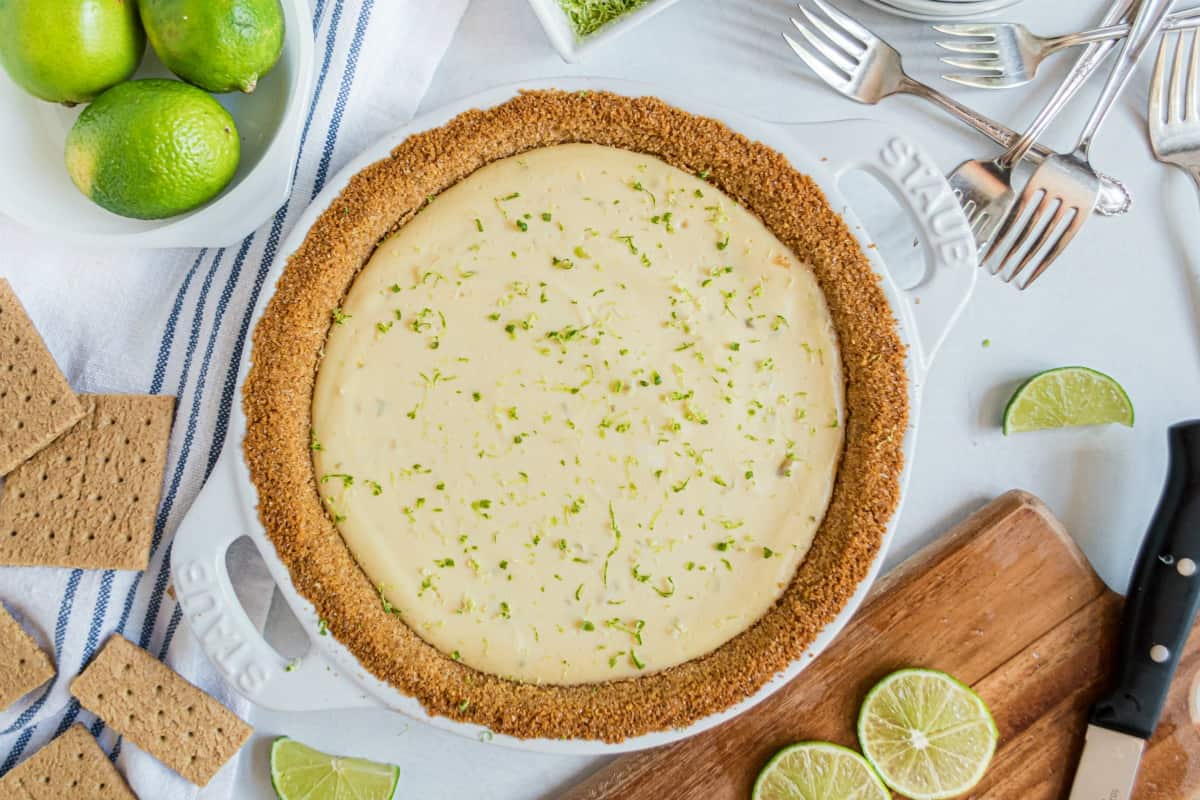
x=1160, y=609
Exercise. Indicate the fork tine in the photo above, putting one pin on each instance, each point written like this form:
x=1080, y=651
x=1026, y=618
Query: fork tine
x=978, y=224
x=1155, y=111
x=966, y=29
x=1043, y=237
x=1014, y=247
x=1001, y=232
x=836, y=35
x=982, y=48
x=981, y=64
x=1192, y=88
x=971, y=211
x=1063, y=240
x=987, y=81
x=1175, y=89
x=836, y=56
x=1006, y=225
x=825, y=72
x=846, y=23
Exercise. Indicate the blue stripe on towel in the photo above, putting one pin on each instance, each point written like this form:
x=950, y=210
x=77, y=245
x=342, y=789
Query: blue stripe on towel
x=168, y=340
x=160, y=585
x=339, y=107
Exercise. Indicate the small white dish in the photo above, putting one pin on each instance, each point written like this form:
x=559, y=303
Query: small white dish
x=573, y=49
x=37, y=192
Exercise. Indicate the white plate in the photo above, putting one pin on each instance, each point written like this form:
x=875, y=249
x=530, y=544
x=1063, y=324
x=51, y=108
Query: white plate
x=329, y=676
x=37, y=192
x=941, y=9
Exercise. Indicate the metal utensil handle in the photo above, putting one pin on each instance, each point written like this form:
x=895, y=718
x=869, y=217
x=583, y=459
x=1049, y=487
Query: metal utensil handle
x=998, y=132
x=1145, y=26
x=1005, y=137
x=1164, y=595
x=1180, y=20
x=1076, y=78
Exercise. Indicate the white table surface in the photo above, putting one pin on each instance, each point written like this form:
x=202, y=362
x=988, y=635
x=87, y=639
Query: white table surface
x=1125, y=299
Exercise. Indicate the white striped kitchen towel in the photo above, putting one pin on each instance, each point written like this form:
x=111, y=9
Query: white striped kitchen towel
x=176, y=322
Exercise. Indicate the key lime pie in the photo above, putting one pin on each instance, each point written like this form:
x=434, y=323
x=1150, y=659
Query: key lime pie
x=577, y=417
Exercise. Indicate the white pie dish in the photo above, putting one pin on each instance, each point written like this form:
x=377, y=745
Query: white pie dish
x=37, y=192
x=329, y=677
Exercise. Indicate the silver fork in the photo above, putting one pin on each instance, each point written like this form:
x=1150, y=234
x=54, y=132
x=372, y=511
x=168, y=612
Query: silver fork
x=1064, y=189
x=1009, y=54
x=984, y=188
x=868, y=69
x=1174, y=113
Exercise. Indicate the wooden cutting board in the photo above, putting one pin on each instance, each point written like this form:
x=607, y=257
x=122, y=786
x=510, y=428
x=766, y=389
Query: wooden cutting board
x=1007, y=603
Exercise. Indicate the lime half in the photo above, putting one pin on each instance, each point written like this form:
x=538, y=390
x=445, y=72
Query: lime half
x=818, y=771
x=1066, y=396
x=300, y=773
x=928, y=735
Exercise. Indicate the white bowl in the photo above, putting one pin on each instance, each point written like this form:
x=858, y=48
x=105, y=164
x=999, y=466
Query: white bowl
x=572, y=48
x=37, y=192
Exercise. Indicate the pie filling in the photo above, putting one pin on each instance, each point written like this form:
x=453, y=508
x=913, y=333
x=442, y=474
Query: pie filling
x=580, y=418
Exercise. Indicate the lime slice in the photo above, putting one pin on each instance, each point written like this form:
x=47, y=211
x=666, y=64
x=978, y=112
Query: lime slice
x=928, y=735
x=1066, y=396
x=818, y=771
x=300, y=773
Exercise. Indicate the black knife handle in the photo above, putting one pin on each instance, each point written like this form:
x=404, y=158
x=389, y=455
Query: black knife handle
x=1163, y=596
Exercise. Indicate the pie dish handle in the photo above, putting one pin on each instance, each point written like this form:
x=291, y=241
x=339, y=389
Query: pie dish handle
x=917, y=183
x=232, y=642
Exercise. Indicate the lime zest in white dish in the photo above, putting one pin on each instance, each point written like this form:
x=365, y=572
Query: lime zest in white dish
x=588, y=16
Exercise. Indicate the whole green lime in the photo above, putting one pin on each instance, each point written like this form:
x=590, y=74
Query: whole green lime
x=69, y=51
x=219, y=45
x=152, y=148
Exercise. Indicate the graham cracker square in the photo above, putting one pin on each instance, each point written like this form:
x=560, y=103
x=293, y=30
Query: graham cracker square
x=89, y=500
x=36, y=402
x=72, y=766
x=23, y=665
x=147, y=702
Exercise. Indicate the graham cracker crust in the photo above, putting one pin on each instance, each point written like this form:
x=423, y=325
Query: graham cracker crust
x=288, y=343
